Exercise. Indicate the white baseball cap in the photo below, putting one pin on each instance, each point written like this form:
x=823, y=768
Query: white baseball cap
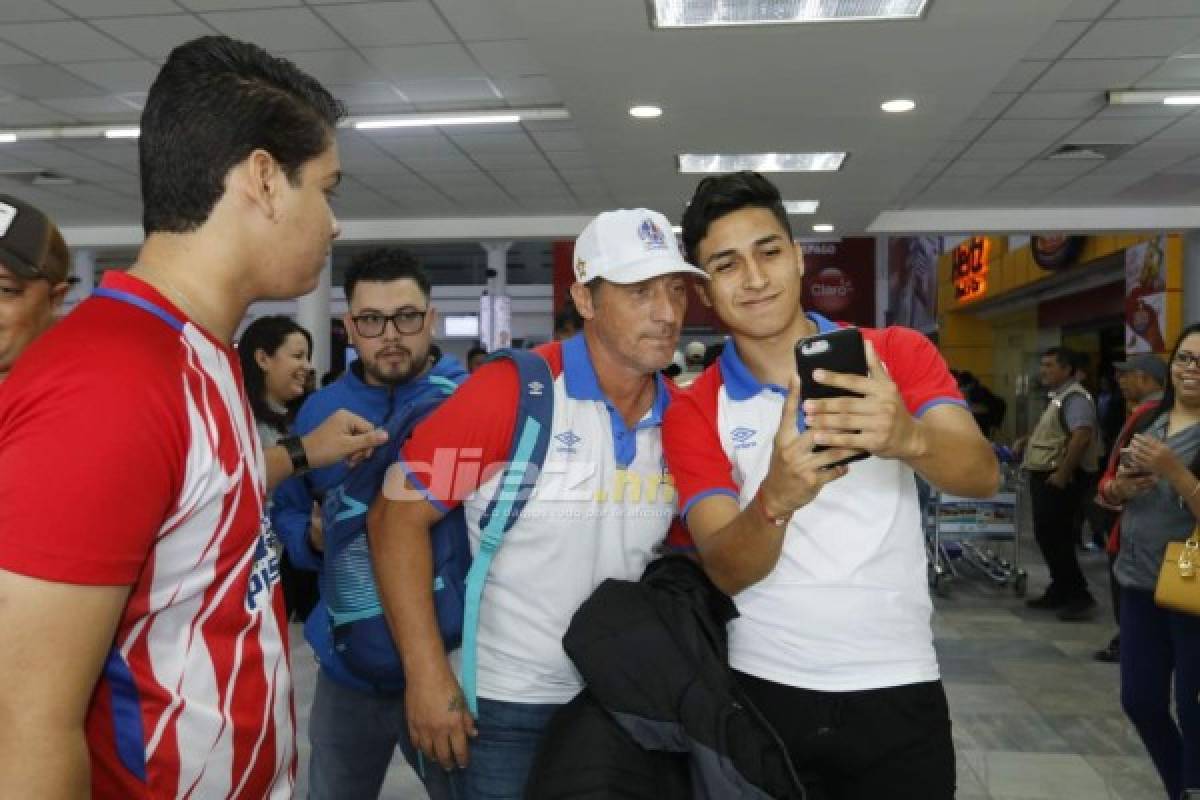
x=629, y=246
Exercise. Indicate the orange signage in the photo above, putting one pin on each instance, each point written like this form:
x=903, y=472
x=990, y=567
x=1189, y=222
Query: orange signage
x=969, y=268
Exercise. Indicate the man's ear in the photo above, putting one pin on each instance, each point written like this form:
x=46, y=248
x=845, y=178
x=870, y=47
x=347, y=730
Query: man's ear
x=584, y=304
x=58, y=293
x=256, y=181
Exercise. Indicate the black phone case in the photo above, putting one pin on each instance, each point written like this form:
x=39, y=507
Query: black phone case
x=844, y=353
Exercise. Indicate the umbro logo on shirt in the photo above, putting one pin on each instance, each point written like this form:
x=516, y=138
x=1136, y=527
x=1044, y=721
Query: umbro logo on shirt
x=743, y=438
x=536, y=388
x=568, y=440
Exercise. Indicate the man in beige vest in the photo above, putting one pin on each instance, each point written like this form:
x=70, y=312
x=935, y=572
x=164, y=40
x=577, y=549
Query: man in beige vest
x=1063, y=445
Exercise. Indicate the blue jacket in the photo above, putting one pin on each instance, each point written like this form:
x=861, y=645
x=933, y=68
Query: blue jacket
x=292, y=508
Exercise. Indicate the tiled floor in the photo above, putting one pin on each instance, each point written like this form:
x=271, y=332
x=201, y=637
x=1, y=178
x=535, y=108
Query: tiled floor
x=1035, y=717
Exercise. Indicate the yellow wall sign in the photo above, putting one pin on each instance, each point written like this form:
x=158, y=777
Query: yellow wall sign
x=969, y=268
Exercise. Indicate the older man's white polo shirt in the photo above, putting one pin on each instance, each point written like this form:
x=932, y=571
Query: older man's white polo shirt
x=601, y=505
x=846, y=607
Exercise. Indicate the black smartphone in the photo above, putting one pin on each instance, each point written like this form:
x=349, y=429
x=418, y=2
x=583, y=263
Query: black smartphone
x=837, y=351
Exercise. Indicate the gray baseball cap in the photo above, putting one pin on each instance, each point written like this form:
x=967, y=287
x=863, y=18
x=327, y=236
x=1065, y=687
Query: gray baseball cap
x=1153, y=366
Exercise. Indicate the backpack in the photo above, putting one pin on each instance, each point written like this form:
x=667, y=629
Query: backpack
x=360, y=633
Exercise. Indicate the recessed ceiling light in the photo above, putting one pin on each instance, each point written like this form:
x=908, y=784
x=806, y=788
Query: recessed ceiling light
x=1182, y=100
x=701, y=13
x=8, y=138
x=801, y=206
x=645, y=112
x=760, y=162
x=898, y=106
x=823, y=227
x=432, y=120
x=122, y=133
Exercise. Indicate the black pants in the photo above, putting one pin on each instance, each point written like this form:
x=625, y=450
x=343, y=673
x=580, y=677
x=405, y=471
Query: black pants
x=890, y=743
x=1053, y=511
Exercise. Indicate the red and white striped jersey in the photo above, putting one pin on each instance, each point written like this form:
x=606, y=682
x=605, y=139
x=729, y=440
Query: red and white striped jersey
x=157, y=483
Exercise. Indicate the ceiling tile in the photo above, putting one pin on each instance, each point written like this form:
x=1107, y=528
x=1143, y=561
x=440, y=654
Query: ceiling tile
x=405, y=145
x=571, y=160
x=1177, y=149
x=91, y=9
x=447, y=163
x=1174, y=73
x=528, y=91
x=97, y=108
x=1137, y=38
x=1094, y=188
x=999, y=151
x=473, y=20
x=1062, y=167
x=116, y=76
x=505, y=162
x=11, y=55
x=277, y=30
x=1085, y=9
x=28, y=11
x=1056, y=105
x=424, y=62
x=559, y=141
x=36, y=81
x=1028, y=130
x=381, y=24
x=967, y=131
x=25, y=114
x=1177, y=188
x=1117, y=131
x=335, y=67
x=431, y=94
x=154, y=36
x=508, y=59
x=1186, y=128
x=63, y=41
x=371, y=98
x=1097, y=75
x=1133, y=168
x=233, y=5
x=1025, y=182
x=1192, y=166
x=993, y=105
x=476, y=143
x=1153, y=8
x=1056, y=40
x=964, y=168
x=1021, y=76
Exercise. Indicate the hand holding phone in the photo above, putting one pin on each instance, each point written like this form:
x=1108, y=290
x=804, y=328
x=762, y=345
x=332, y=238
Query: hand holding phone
x=841, y=351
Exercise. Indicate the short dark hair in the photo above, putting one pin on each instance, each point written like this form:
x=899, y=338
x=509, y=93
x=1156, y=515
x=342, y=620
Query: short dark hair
x=719, y=195
x=1065, y=356
x=266, y=334
x=384, y=265
x=215, y=101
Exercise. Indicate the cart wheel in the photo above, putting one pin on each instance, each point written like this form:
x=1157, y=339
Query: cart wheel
x=1019, y=584
x=941, y=584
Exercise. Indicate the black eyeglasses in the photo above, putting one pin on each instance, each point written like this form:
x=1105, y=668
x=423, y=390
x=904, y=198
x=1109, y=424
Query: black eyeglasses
x=373, y=325
x=1187, y=360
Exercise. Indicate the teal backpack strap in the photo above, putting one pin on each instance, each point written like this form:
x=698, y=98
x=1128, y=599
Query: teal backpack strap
x=531, y=439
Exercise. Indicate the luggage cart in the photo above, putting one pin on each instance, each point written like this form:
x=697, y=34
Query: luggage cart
x=962, y=534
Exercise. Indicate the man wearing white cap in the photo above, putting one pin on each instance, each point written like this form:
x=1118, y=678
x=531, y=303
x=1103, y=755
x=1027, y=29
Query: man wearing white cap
x=591, y=514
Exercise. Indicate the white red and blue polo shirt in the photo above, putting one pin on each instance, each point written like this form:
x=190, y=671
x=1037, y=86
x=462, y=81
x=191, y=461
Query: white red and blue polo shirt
x=846, y=607
x=601, y=505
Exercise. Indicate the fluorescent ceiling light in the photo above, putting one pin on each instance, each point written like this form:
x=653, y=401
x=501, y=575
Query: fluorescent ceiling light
x=703, y=13
x=801, y=206
x=645, y=112
x=1170, y=97
x=898, y=106
x=8, y=137
x=439, y=121
x=122, y=133
x=1182, y=100
x=690, y=163
x=823, y=227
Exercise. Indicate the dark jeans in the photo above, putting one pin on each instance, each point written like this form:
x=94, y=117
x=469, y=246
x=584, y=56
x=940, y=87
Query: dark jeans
x=354, y=737
x=1154, y=644
x=1053, y=511
x=889, y=743
x=502, y=754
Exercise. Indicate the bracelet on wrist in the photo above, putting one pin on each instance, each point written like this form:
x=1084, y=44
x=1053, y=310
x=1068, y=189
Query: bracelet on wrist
x=294, y=446
x=761, y=505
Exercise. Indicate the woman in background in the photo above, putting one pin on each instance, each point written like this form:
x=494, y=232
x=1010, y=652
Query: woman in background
x=275, y=354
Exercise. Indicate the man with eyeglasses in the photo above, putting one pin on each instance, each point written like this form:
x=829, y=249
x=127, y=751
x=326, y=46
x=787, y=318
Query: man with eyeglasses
x=354, y=729
x=34, y=266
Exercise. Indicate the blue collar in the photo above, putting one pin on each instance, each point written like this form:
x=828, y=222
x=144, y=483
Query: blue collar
x=740, y=382
x=581, y=383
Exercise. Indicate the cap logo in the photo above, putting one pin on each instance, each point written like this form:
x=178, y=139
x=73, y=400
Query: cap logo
x=7, y=215
x=580, y=269
x=652, y=235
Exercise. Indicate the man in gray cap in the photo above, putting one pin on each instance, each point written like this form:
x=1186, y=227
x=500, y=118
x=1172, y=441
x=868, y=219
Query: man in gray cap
x=34, y=264
x=1141, y=379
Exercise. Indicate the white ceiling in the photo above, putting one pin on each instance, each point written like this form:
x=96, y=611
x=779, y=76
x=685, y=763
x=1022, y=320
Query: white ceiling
x=998, y=83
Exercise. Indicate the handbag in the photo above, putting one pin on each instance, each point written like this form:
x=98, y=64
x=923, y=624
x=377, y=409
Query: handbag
x=1178, y=586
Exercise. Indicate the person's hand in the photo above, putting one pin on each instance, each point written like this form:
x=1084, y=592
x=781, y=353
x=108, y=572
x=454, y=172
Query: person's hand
x=877, y=422
x=439, y=724
x=1153, y=455
x=796, y=473
x=343, y=435
x=1130, y=482
x=316, y=530
x=1058, y=479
